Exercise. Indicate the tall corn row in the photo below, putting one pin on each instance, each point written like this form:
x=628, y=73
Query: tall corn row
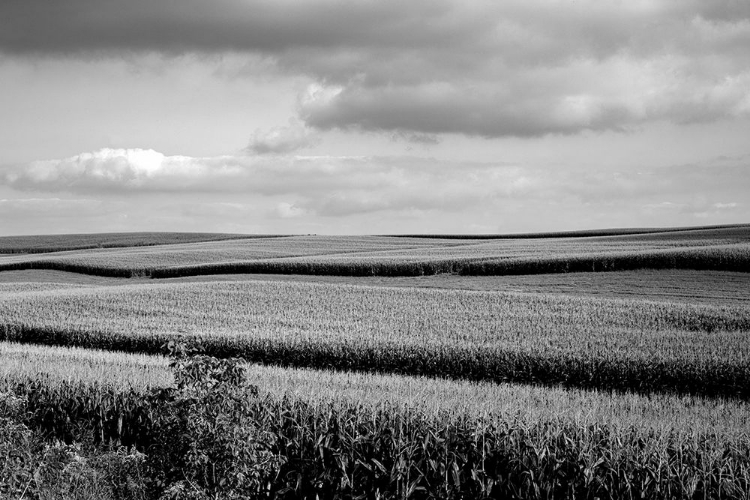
x=392, y=452
x=711, y=377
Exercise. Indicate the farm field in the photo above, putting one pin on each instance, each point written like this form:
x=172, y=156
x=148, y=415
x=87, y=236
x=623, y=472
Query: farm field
x=724, y=248
x=385, y=429
x=672, y=285
x=688, y=415
x=498, y=336
x=506, y=377
x=67, y=242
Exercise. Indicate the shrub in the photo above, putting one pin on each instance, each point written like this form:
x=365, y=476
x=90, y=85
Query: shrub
x=17, y=448
x=207, y=443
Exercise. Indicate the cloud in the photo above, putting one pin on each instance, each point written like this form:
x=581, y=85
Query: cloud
x=131, y=190
x=326, y=181
x=284, y=140
x=112, y=170
x=53, y=207
x=416, y=138
x=285, y=210
x=305, y=187
x=427, y=67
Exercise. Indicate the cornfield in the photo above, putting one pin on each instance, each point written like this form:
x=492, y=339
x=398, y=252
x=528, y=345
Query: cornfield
x=500, y=337
x=724, y=249
x=339, y=446
x=406, y=392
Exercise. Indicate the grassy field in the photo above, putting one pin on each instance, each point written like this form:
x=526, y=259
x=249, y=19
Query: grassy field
x=725, y=248
x=498, y=336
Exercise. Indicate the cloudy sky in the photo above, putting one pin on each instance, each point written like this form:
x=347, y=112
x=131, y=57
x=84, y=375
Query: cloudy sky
x=372, y=116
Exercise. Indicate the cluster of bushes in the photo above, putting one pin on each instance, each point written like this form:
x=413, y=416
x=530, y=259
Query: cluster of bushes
x=214, y=436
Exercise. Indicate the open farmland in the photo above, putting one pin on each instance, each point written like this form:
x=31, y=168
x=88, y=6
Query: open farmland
x=497, y=336
x=723, y=248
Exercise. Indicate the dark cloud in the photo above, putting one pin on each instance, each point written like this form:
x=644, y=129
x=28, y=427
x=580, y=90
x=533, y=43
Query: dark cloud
x=484, y=110
x=425, y=67
x=177, y=26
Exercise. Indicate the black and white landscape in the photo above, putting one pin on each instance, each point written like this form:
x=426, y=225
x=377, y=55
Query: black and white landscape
x=325, y=249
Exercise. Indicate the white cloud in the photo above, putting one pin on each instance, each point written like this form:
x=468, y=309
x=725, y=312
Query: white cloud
x=286, y=210
x=725, y=206
x=282, y=140
x=119, y=170
x=129, y=190
x=310, y=187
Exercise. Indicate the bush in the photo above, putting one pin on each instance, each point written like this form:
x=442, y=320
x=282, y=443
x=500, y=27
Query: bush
x=17, y=448
x=78, y=472
x=30, y=469
x=207, y=444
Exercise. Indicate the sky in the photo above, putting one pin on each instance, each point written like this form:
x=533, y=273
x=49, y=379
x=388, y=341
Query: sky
x=372, y=116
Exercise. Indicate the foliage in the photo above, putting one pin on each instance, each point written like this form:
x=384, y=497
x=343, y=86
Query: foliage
x=77, y=472
x=17, y=447
x=29, y=468
x=207, y=441
x=390, y=452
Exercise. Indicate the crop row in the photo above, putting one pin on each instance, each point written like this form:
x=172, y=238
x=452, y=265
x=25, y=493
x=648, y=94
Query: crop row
x=720, y=258
x=728, y=258
x=443, y=400
x=677, y=285
x=714, y=378
x=727, y=249
x=576, y=342
x=332, y=451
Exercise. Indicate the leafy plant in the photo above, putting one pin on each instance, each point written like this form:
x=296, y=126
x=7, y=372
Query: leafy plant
x=208, y=444
x=17, y=445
